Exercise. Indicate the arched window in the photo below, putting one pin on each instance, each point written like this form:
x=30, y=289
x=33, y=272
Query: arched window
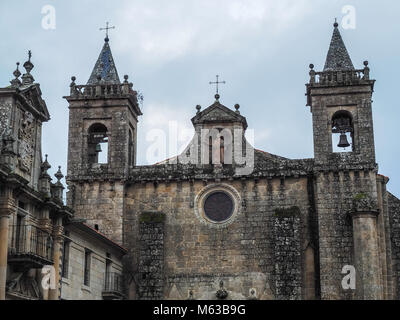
x=98, y=144
x=342, y=132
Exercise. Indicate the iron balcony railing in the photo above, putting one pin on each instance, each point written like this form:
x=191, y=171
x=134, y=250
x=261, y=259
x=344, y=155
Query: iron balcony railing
x=30, y=241
x=114, y=283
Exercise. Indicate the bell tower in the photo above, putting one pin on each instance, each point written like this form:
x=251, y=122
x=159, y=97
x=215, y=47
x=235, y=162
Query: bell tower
x=345, y=176
x=340, y=101
x=103, y=117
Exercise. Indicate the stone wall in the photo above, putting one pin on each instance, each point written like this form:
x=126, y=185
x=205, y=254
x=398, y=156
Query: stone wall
x=394, y=211
x=72, y=287
x=151, y=256
x=100, y=203
x=199, y=255
x=287, y=253
x=335, y=194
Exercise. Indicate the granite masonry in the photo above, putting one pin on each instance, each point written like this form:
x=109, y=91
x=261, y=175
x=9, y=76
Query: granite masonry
x=199, y=229
x=209, y=225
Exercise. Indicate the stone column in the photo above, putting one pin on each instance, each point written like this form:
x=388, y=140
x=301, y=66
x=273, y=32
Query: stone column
x=366, y=255
x=58, y=241
x=6, y=208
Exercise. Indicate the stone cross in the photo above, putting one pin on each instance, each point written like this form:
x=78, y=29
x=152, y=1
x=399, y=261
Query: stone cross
x=107, y=28
x=217, y=83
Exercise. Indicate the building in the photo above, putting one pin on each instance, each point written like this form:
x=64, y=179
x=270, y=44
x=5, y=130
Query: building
x=38, y=233
x=203, y=229
x=91, y=266
x=224, y=220
x=32, y=212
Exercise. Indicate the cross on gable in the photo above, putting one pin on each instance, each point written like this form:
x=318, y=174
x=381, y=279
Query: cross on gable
x=217, y=83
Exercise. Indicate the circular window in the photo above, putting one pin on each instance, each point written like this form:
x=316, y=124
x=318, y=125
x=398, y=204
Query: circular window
x=218, y=206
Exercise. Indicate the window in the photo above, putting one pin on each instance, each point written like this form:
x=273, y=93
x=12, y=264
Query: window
x=131, y=150
x=65, y=259
x=218, y=206
x=342, y=132
x=98, y=144
x=216, y=147
x=86, y=279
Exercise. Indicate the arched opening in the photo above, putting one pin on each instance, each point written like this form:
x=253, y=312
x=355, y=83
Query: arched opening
x=98, y=144
x=217, y=146
x=131, y=150
x=342, y=132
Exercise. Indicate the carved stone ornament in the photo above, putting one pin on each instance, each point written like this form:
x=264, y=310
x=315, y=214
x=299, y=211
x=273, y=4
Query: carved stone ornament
x=5, y=108
x=26, y=141
x=363, y=203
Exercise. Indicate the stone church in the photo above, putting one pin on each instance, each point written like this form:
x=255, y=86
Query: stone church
x=222, y=220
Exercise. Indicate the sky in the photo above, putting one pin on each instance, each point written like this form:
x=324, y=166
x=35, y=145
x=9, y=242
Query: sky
x=171, y=50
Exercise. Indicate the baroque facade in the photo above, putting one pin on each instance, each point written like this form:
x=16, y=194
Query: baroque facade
x=222, y=220
x=38, y=233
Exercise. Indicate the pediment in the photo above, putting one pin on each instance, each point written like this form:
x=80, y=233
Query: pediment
x=32, y=97
x=218, y=113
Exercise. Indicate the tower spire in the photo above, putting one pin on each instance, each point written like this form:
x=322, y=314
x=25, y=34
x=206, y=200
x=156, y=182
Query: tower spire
x=105, y=69
x=338, y=58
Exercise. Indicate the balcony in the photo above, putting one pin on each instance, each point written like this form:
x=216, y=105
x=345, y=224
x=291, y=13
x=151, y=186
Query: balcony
x=30, y=247
x=113, y=287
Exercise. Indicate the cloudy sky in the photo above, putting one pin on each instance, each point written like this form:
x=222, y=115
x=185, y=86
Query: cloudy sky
x=172, y=49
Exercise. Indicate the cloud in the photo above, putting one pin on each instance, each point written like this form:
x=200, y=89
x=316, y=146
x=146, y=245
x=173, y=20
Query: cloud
x=167, y=127
x=161, y=31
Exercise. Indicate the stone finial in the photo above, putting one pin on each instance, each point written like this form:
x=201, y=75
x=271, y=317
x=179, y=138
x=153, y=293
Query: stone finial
x=59, y=175
x=72, y=86
x=198, y=108
x=336, y=24
x=366, y=71
x=221, y=294
x=45, y=179
x=15, y=83
x=217, y=96
x=312, y=74
x=237, y=107
x=27, y=78
x=58, y=187
x=126, y=77
x=45, y=166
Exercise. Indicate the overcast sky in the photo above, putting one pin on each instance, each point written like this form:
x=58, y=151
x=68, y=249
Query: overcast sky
x=172, y=49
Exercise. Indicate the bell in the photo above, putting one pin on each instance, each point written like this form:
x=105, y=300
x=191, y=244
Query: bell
x=98, y=148
x=343, y=143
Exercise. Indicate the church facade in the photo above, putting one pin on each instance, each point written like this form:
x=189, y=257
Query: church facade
x=224, y=220
x=197, y=227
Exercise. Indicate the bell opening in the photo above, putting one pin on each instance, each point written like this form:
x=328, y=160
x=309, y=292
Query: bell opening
x=342, y=142
x=103, y=154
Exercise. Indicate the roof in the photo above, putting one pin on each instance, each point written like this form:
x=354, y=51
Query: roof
x=338, y=59
x=105, y=67
x=97, y=234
